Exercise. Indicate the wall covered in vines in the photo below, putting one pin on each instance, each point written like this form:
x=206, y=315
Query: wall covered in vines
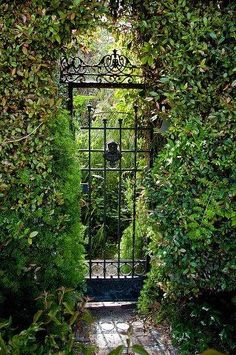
x=40, y=239
x=190, y=50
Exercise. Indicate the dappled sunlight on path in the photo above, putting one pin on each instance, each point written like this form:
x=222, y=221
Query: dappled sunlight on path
x=118, y=324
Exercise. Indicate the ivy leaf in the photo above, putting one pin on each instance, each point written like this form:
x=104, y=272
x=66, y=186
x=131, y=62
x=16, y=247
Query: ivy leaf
x=58, y=38
x=24, y=50
x=117, y=351
x=33, y=234
x=139, y=349
x=37, y=316
x=72, y=16
x=52, y=316
x=153, y=93
x=68, y=308
x=150, y=61
x=213, y=35
x=164, y=80
x=74, y=318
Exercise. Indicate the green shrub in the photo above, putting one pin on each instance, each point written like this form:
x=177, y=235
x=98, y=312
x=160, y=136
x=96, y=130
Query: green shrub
x=193, y=191
x=143, y=230
x=59, y=315
x=189, y=47
x=194, y=247
x=41, y=240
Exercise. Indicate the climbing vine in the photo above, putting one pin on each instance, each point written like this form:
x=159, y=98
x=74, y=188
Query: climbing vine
x=40, y=238
x=189, y=51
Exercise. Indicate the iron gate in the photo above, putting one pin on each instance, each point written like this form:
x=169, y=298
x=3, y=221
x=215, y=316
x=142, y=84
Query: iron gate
x=116, y=277
x=111, y=277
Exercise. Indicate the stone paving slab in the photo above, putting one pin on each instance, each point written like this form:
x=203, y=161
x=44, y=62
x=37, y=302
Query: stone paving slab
x=115, y=325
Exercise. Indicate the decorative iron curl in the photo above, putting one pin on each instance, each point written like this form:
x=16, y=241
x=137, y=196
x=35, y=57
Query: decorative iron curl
x=116, y=64
x=113, y=68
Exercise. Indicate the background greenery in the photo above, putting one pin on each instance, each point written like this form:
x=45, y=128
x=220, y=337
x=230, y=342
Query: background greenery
x=112, y=105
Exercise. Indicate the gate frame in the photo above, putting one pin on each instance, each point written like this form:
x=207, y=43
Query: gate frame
x=114, y=71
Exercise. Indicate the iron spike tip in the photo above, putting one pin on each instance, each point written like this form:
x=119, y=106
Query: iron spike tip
x=89, y=107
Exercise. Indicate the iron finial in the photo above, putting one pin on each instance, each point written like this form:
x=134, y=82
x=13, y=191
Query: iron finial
x=89, y=107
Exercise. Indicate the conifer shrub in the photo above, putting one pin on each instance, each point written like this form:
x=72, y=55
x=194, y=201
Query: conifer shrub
x=45, y=249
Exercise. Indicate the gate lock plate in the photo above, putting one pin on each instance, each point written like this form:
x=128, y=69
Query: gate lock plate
x=112, y=153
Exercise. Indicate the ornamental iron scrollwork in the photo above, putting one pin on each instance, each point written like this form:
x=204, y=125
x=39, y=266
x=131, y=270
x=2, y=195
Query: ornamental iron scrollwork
x=126, y=268
x=113, y=68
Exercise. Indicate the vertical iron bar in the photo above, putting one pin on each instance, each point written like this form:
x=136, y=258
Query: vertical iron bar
x=104, y=198
x=119, y=196
x=89, y=107
x=151, y=161
x=70, y=107
x=134, y=185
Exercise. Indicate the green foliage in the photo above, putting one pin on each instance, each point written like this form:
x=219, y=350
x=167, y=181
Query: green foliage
x=40, y=238
x=41, y=241
x=52, y=329
x=143, y=231
x=200, y=322
x=67, y=173
x=139, y=349
x=106, y=106
x=136, y=349
x=117, y=351
x=189, y=47
x=193, y=190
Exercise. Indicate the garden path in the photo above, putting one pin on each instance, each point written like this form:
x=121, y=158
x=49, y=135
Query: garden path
x=118, y=323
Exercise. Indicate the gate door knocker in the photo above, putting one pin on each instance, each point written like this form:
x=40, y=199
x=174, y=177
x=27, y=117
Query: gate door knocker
x=112, y=153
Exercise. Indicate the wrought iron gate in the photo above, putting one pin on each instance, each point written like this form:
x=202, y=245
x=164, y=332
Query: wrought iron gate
x=111, y=277
x=114, y=278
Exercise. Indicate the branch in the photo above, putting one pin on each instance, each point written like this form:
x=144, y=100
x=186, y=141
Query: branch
x=25, y=137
